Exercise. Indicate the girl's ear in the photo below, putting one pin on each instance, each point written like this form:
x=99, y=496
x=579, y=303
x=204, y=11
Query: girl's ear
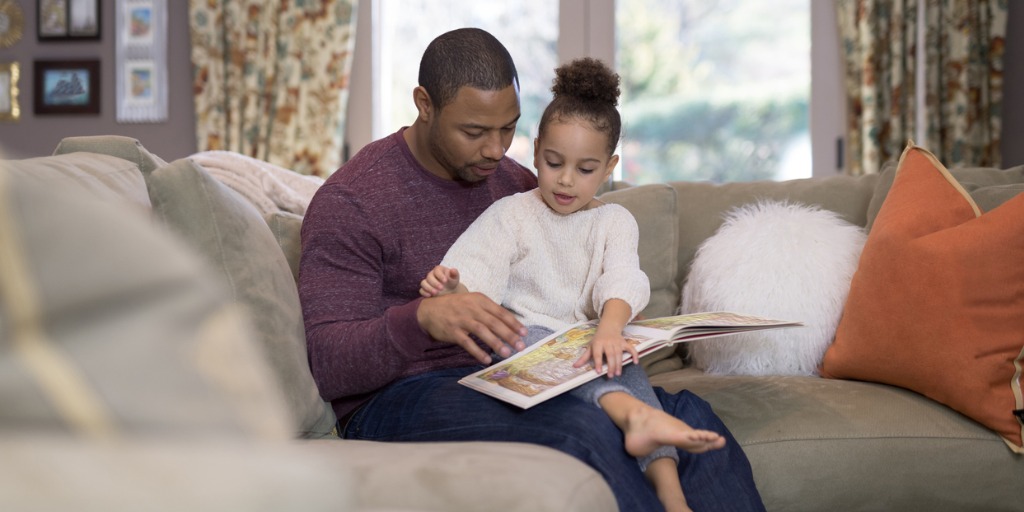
x=536, y=153
x=424, y=106
x=608, y=169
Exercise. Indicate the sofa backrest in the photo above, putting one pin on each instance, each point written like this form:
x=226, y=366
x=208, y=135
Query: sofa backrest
x=110, y=328
x=675, y=218
x=237, y=245
x=105, y=177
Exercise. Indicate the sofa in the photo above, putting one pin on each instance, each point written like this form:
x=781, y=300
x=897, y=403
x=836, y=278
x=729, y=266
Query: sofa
x=152, y=357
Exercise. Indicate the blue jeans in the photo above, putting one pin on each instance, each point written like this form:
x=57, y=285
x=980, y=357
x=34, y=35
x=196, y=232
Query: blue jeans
x=434, y=407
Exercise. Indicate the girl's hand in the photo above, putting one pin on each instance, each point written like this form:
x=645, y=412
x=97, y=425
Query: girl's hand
x=440, y=281
x=608, y=347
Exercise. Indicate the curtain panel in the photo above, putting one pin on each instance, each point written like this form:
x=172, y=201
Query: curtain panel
x=966, y=40
x=879, y=40
x=270, y=79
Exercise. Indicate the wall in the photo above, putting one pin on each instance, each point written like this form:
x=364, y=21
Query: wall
x=175, y=138
x=38, y=135
x=1013, y=88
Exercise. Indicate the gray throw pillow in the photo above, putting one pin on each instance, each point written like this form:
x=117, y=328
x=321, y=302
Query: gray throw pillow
x=228, y=230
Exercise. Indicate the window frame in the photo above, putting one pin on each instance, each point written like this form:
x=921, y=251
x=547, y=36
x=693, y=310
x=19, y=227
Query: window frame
x=587, y=29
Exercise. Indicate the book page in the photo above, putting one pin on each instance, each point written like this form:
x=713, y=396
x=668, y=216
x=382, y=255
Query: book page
x=535, y=374
x=545, y=369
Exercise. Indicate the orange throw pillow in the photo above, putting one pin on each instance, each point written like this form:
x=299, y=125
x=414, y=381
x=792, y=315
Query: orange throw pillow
x=937, y=303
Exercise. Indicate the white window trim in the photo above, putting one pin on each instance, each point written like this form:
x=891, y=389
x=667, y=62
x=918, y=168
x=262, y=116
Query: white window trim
x=587, y=29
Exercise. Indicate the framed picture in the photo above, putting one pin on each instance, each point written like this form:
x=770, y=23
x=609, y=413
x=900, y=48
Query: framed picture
x=137, y=27
x=66, y=87
x=9, y=109
x=64, y=20
x=11, y=22
x=140, y=61
x=140, y=88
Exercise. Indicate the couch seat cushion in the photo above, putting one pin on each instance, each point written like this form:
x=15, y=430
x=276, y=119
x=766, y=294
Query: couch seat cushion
x=819, y=444
x=467, y=477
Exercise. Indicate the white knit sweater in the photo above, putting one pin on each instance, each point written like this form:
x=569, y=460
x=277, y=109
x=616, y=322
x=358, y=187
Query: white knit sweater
x=551, y=269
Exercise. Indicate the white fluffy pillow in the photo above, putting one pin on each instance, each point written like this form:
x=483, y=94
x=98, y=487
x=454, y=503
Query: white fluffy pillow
x=780, y=260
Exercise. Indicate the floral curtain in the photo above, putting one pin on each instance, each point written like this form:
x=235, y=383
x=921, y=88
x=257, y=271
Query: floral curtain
x=963, y=49
x=271, y=79
x=964, y=65
x=879, y=42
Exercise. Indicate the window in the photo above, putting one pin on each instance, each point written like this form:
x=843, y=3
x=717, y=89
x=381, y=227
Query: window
x=750, y=60
x=528, y=28
x=714, y=90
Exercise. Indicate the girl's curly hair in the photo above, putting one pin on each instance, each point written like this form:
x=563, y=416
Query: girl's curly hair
x=586, y=89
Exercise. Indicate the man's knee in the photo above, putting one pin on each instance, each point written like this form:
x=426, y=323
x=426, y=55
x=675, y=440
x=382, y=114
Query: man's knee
x=689, y=407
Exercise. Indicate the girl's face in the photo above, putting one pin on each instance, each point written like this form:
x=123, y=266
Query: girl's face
x=572, y=162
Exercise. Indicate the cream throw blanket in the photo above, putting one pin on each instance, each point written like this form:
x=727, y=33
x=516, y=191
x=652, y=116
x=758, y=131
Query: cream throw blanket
x=270, y=188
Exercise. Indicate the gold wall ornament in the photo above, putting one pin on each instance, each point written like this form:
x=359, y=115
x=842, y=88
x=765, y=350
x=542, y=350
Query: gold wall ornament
x=11, y=23
x=9, y=108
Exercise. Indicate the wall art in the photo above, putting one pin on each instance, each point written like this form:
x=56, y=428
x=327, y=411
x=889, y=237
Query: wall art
x=9, y=108
x=141, y=61
x=66, y=87
x=67, y=20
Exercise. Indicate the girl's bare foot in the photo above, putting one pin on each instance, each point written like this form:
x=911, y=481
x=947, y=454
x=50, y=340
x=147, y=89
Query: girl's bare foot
x=647, y=428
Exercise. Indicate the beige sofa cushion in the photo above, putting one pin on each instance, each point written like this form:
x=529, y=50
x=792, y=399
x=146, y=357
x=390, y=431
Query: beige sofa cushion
x=654, y=207
x=111, y=328
x=125, y=148
x=232, y=235
x=105, y=177
x=467, y=477
x=819, y=444
x=49, y=474
x=287, y=229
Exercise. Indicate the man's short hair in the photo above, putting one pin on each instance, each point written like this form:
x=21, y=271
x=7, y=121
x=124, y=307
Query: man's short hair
x=465, y=57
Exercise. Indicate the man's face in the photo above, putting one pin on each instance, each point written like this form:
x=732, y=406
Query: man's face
x=470, y=135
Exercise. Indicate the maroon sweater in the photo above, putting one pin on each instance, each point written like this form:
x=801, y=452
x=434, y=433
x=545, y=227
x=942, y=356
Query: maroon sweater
x=370, y=235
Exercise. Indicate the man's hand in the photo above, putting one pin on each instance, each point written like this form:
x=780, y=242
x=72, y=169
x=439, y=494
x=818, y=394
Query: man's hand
x=453, y=318
x=440, y=281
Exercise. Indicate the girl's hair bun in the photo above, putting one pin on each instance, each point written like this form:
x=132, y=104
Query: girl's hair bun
x=587, y=79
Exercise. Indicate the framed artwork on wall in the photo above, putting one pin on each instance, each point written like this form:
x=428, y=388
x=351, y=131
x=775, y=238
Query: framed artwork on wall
x=67, y=20
x=141, y=61
x=11, y=22
x=66, y=87
x=9, y=108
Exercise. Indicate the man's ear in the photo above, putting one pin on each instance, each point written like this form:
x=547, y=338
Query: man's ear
x=424, y=107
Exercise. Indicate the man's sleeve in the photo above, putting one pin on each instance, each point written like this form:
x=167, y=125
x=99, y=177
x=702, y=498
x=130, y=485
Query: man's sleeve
x=355, y=345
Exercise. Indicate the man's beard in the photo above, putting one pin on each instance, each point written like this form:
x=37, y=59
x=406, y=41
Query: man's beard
x=463, y=173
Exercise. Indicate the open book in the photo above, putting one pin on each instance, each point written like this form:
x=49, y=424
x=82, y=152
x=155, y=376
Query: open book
x=545, y=369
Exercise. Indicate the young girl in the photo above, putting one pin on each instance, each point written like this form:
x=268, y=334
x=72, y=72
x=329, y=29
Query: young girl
x=556, y=255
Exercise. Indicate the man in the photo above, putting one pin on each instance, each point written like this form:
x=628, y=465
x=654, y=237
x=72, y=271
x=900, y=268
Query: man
x=389, y=360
